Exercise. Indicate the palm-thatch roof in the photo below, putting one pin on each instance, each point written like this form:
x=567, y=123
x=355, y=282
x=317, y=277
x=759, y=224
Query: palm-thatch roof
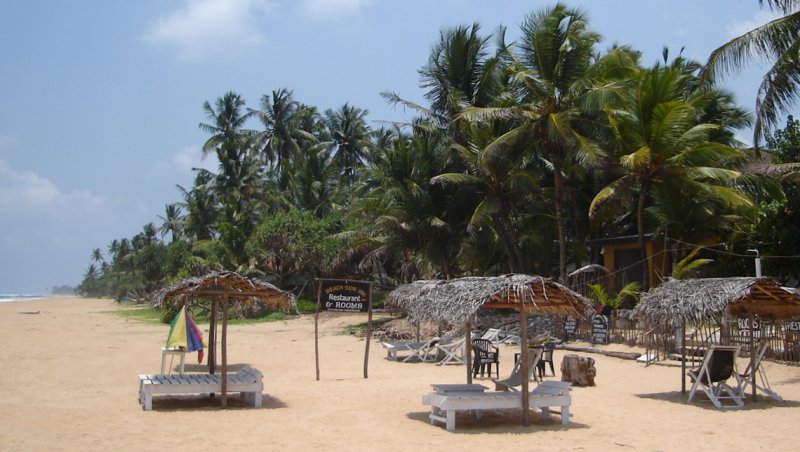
x=217, y=285
x=704, y=299
x=456, y=300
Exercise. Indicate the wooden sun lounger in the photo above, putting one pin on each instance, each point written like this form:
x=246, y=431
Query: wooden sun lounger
x=445, y=404
x=247, y=381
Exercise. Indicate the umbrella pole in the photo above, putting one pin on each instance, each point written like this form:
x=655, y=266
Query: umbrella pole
x=523, y=356
x=224, y=400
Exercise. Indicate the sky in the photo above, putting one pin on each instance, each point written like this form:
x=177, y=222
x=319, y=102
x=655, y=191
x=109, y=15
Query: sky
x=101, y=100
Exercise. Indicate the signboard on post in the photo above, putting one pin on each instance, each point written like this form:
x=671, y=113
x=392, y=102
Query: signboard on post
x=599, y=329
x=570, y=325
x=346, y=296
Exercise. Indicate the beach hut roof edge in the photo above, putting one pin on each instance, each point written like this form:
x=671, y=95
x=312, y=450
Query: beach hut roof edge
x=217, y=285
x=455, y=300
x=701, y=299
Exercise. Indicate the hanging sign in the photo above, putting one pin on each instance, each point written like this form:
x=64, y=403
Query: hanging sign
x=599, y=329
x=348, y=296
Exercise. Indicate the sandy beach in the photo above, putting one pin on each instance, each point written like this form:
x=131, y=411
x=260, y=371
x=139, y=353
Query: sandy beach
x=69, y=381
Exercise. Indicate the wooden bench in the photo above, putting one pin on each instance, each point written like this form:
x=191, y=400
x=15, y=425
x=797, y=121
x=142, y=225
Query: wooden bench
x=444, y=405
x=247, y=381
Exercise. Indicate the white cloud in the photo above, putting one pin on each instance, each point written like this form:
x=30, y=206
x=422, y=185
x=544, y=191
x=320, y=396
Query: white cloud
x=191, y=157
x=736, y=28
x=24, y=192
x=328, y=8
x=205, y=27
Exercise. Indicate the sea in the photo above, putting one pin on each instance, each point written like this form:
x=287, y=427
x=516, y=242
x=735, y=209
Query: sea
x=9, y=297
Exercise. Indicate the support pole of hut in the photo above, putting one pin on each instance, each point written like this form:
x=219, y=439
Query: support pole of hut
x=468, y=349
x=316, y=328
x=523, y=356
x=212, y=338
x=752, y=357
x=224, y=399
x=369, y=331
x=683, y=355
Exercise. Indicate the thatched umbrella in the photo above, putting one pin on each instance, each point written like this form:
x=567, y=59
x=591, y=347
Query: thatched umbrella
x=222, y=287
x=457, y=300
x=705, y=299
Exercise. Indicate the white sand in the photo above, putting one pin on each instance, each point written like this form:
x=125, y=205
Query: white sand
x=69, y=381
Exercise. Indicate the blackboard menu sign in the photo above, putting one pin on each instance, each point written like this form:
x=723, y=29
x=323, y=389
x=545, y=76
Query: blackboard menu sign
x=570, y=325
x=599, y=329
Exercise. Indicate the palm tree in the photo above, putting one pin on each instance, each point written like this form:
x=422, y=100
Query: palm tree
x=778, y=41
x=660, y=143
x=172, y=222
x=201, y=208
x=350, y=134
x=278, y=114
x=548, y=70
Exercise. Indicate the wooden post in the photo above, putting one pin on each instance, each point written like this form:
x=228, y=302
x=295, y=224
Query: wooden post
x=316, y=327
x=224, y=400
x=523, y=356
x=683, y=355
x=468, y=349
x=212, y=338
x=369, y=331
x=752, y=357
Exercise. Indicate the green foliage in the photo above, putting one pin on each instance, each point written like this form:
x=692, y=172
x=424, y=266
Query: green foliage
x=293, y=246
x=630, y=290
x=306, y=306
x=689, y=266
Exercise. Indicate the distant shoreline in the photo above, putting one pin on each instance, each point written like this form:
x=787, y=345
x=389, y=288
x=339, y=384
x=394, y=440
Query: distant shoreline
x=14, y=298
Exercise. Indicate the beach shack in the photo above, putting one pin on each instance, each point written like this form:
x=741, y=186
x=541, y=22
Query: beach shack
x=457, y=300
x=218, y=290
x=692, y=314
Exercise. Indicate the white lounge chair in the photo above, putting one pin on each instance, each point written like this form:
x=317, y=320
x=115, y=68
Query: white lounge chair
x=421, y=351
x=453, y=351
x=445, y=404
x=747, y=375
x=247, y=381
x=719, y=365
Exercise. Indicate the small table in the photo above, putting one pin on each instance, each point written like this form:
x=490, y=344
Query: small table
x=172, y=351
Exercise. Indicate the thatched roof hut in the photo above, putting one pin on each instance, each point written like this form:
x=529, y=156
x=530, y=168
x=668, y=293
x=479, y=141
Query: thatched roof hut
x=456, y=300
x=703, y=299
x=221, y=287
x=217, y=285
x=709, y=299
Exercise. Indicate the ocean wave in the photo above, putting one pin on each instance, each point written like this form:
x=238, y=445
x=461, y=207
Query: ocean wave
x=7, y=297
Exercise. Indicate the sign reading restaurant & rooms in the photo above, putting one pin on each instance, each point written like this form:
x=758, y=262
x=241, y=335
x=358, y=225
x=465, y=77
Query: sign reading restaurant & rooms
x=352, y=296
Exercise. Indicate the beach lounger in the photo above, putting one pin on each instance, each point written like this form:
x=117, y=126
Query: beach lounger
x=247, y=381
x=453, y=351
x=762, y=383
x=445, y=404
x=719, y=365
x=422, y=351
x=515, y=379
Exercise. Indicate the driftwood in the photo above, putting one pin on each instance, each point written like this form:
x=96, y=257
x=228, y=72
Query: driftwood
x=578, y=370
x=621, y=355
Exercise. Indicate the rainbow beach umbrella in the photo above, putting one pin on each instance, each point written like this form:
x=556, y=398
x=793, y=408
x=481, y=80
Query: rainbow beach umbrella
x=184, y=334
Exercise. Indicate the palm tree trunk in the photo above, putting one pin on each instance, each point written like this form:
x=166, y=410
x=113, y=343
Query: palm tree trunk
x=509, y=243
x=558, y=184
x=640, y=229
